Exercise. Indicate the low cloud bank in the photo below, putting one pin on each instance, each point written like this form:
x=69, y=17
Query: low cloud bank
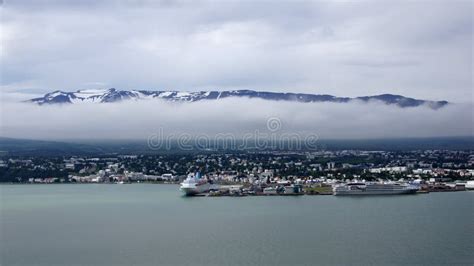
x=141, y=119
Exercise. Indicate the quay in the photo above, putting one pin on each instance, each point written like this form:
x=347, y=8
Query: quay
x=318, y=190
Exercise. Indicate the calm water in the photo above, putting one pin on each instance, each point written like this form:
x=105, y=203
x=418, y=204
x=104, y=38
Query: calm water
x=153, y=225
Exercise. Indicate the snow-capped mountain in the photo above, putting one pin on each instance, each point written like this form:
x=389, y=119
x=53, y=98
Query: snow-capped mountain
x=114, y=95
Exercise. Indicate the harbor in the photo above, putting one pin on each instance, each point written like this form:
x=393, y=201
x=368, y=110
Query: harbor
x=196, y=185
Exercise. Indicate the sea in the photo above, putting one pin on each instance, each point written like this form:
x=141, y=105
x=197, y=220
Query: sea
x=153, y=224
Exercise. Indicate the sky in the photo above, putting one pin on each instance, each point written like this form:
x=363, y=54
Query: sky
x=420, y=49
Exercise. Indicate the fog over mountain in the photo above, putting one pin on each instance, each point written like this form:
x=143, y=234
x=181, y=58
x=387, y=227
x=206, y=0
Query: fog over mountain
x=418, y=49
x=140, y=119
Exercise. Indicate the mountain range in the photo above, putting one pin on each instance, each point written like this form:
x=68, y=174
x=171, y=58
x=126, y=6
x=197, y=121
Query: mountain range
x=114, y=95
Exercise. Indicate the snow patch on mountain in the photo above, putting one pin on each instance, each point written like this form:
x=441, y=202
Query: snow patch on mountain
x=114, y=95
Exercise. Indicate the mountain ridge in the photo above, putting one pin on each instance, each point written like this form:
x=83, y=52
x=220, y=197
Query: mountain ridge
x=114, y=95
x=70, y=147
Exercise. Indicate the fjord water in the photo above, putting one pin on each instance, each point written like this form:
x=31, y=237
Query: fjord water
x=145, y=224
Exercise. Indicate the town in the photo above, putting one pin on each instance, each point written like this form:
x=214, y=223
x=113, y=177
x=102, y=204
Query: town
x=435, y=166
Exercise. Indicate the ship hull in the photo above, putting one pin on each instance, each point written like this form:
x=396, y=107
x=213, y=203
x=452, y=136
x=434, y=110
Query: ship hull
x=374, y=192
x=195, y=189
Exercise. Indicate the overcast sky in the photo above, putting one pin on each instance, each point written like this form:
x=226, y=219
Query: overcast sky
x=421, y=49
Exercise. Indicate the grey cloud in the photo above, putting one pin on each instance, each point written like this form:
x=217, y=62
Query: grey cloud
x=139, y=120
x=381, y=63
x=349, y=49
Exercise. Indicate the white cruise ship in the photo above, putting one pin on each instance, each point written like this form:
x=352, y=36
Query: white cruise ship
x=373, y=189
x=194, y=184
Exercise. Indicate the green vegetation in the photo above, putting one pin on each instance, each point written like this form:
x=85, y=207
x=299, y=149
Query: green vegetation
x=318, y=190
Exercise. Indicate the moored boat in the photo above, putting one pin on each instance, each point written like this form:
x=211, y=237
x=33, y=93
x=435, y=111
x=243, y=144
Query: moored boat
x=374, y=189
x=194, y=184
